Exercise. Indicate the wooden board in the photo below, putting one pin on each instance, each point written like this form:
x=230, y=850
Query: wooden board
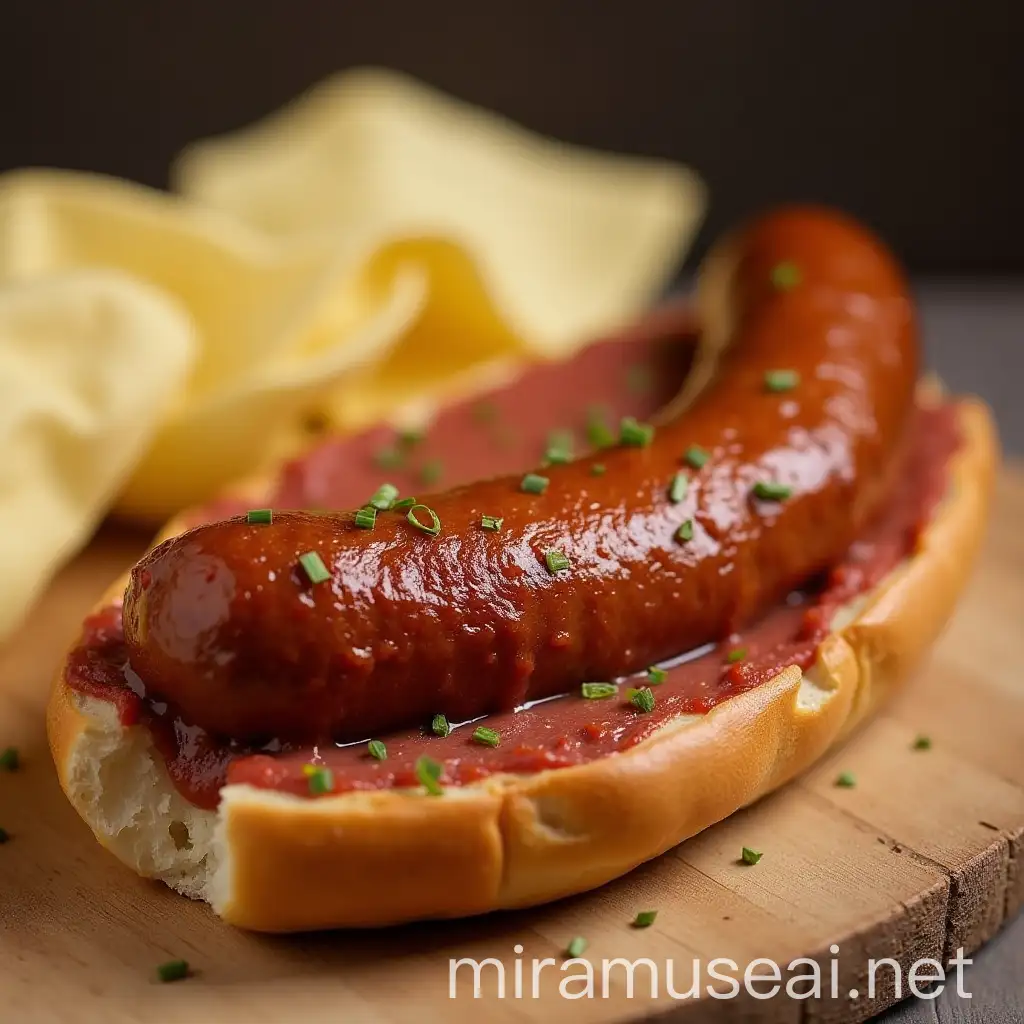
x=924, y=855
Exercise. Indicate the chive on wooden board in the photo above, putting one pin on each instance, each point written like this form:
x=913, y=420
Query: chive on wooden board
x=922, y=855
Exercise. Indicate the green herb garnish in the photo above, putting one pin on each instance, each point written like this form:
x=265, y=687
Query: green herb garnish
x=736, y=654
x=678, y=488
x=173, y=970
x=645, y=918
x=384, y=497
x=410, y=437
x=377, y=750
x=785, y=275
x=389, y=458
x=428, y=772
x=433, y=527
x=685, y=531
x=488, y=737
x=366, y=517
x=491, y=523
x=559, y=447
x=781, y=380
x=599, y=434
x=656, y=675
x=556, y=561
x=696, y=456
x=642, y=699
x=320, y=779
x=314, y=568
x=576, y=948
x=9, y=760
x=638, y=435
x=923, y=743
x=439, y=726
x=534, y=483
x=598, y=691
x=846, y=780
x=260, y=516
x=749, y=856
x=403, y=504
x=772, y=490
x=431, y=472
x=598, y=469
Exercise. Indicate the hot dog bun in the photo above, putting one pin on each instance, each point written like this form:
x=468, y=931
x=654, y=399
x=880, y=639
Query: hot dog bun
x=262, y=859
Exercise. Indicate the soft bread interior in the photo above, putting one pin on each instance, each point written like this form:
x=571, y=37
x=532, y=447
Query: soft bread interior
x=118, y=782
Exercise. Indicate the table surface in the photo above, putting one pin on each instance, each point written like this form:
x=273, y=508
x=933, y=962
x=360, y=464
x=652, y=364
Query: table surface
x=974, y=337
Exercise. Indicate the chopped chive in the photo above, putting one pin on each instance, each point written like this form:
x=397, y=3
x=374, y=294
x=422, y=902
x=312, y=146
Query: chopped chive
x=320, y=779
x=431, y=472
x=736, y=654
x=678, y=488
x=433, y=527
x=485, y=412
x=785, y=275
x=428, y=772
x=410, y=437
x=598, y=691
x=597, y=469
x=439, y=726
x=599, y=434
x=685, y=531
x=645, y=918
x=923, y=743
x=642, y=699
x=259, y=515
x=638, y=435
x=377, y=750
x=781, y=380
x=556, y=561
x=402, y=504
x=389, y=458
x=639, y=378
x=656, y=675
x=314, y=568
x=749, y=856
x=772, y=490
x=384, y=497
x=488, y=737
x=576, y=948
x=534, y=483
x=173, y=970
x=9, y=760
x=696, y=456
x=366, y=517
x=846, y=780
x=559, y=447
x=491, y=523
x=4, y=836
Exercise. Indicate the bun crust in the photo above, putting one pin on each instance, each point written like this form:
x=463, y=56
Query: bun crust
x=274, y=862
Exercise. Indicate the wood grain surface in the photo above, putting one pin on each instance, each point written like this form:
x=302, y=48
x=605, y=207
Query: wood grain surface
x=921, y=856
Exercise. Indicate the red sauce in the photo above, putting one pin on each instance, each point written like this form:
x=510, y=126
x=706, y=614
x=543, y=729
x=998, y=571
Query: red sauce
x=505, y=432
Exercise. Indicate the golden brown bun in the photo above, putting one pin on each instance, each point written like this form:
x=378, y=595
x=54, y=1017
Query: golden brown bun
x=275, y=862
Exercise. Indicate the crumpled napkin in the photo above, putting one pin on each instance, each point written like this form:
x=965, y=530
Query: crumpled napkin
x=365, y=251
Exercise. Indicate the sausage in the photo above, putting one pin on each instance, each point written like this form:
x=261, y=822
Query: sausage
x=224, y=621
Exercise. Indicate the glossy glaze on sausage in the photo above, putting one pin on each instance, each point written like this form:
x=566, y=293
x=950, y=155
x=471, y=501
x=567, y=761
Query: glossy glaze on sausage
x=224, y=622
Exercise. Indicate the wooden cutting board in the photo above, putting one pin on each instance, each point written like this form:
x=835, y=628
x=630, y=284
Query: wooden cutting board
x=924, y=854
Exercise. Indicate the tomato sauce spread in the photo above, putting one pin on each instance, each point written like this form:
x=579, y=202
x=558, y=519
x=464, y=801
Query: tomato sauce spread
x=508, y=430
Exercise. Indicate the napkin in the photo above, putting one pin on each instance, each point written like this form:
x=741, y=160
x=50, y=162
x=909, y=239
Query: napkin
x=369, y=250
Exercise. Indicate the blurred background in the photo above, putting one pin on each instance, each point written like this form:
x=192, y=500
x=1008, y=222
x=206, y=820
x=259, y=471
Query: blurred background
x=909, y=113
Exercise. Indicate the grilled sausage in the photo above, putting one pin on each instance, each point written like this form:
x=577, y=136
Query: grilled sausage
x=761, y=481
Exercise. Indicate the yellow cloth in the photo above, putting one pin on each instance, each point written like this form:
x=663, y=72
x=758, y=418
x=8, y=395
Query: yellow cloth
x=357, y=254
